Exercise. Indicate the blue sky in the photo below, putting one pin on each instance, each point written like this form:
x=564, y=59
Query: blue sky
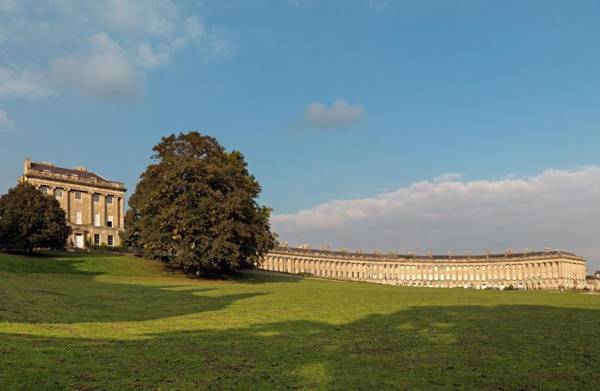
x=328, y=100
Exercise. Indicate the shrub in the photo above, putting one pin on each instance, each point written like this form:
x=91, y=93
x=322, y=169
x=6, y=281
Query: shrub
x=29, y=220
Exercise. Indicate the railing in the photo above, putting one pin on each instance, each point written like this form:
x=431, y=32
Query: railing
x=111, y=184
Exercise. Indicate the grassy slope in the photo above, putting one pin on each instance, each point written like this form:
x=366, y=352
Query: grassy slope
x=101, y=322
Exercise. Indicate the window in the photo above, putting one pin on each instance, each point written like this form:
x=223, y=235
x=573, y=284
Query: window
x=96, y=197
x=109, y=200
x=96, y=239
x=44, y=190
x=58, y=193
x=77, y=195
x=109, y=221
x=78, y=217
x=110, y=240
x=97, y=219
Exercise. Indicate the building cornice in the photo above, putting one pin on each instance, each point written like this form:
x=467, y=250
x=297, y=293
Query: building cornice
x=463, y=258
x=114, y=186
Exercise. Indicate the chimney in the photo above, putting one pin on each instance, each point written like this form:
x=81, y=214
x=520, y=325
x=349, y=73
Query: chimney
x=81, y=168
x=26, y=165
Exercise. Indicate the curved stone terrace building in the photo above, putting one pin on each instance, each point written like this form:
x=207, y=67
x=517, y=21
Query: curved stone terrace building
x=94, y=205
x=549, y=269
x=593, y=281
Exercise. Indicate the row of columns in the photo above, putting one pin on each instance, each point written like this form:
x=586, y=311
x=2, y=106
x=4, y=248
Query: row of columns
x=525, y=274
x=118, y=204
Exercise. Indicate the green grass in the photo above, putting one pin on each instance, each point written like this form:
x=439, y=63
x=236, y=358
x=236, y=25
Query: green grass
x=72, y=321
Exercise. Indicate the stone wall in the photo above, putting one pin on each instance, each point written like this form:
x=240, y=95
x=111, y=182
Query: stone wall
x=535, y=270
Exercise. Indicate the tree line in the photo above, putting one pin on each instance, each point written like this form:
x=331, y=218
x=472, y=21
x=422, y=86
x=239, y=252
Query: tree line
x=195, y=208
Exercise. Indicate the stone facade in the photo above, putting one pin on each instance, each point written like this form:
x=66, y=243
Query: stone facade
x=94, y=206
x=533, y=270
x=593, y=282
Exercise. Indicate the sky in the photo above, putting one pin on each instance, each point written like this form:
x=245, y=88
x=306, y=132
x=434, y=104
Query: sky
x=451, y=125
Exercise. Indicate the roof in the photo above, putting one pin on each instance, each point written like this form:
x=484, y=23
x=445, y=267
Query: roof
x=67, y=171
x=76, y=176
x=405, y=257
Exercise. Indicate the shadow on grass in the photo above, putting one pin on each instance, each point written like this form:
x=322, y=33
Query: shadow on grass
x=55, y=290
x=60, y=262
x=463, y=347
x=247, y=276
x=104, y=302
x=41, y=263
x=264, y=277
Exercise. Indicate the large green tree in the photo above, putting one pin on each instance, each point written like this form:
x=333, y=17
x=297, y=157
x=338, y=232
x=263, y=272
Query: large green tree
x=29, y=220
x=195, y=207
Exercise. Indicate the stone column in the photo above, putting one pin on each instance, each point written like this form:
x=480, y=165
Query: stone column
x=68, y=204
x=91, y=208
x=121, y=213
x=403, y=273
x=104, y=207
x=118, y=218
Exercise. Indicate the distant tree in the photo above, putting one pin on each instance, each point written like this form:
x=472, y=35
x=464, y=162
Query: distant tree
x=29, y=220
x=195, y=207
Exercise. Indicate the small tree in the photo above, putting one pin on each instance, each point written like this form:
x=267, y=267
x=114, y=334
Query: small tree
x=196, y=208
x=29, y=219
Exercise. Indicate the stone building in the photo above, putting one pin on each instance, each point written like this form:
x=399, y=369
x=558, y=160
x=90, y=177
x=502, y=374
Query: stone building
x=593, y=282
x=94, y=205
x=548, y=269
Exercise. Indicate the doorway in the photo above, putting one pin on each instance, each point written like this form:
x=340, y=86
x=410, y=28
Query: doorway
x=79, y=241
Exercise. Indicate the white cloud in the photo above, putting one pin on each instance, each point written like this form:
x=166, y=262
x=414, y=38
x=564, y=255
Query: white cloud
x=194, y=30
x=557, y=208
x=339, y=115
x=148, y=57
x=140, y=18
x=104, y=72
x=22, y=83
x=52, y=36
x=5, y=120
x=448, y=177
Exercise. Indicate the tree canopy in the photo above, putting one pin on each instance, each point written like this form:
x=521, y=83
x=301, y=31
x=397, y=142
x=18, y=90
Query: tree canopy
x=195, y=207
x=29, y=220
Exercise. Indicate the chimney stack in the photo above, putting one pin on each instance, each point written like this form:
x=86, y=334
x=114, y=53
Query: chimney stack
x=26, y=165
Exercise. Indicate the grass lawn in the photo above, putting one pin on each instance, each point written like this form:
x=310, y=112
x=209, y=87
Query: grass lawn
x=73, y=321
